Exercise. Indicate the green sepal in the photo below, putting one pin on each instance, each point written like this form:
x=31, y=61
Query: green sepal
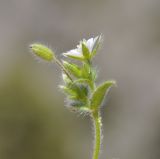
x=68, y=91
x=93, y=74
x=72, y=68
x=85, y=51
x=78, y=106
x=99, y=94
x=86, y=81
x=80, y=90
x=86, y=71
x=76, y=91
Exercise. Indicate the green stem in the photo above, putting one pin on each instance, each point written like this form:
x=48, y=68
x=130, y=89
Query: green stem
x=63, y=68
x=97, y=125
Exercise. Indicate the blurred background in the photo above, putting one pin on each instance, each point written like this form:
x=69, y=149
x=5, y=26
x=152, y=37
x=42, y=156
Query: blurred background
x=34, y=124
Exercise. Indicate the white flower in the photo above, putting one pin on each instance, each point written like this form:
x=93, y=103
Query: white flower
x=91, y=44
x=74, y=53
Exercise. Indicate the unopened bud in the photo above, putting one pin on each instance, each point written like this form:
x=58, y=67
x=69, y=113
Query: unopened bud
x=42, y=52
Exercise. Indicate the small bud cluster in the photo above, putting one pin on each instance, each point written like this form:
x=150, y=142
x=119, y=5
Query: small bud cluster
x=82, y=93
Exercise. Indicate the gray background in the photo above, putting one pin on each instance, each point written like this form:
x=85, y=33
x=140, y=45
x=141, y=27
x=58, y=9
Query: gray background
x=34, y=124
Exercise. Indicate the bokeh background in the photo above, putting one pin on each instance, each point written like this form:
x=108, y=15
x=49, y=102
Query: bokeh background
x=34, y=124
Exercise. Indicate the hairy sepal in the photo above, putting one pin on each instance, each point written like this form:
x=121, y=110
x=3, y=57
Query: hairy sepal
x=72, y=68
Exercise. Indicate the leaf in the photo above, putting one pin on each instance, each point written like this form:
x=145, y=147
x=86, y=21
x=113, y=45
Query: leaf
x=99, y=94
x=85, y=51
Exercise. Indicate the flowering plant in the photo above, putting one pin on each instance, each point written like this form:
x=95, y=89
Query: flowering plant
x=82, y=93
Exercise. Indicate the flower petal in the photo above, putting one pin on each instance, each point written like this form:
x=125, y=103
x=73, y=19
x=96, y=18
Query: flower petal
x=76, y=54
x=90, y=43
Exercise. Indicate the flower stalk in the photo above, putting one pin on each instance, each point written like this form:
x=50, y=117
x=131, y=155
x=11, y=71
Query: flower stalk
x=63, y=68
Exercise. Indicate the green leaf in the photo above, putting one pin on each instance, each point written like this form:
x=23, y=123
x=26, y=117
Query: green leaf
x=72, y=68
x=85, y=51
x=99, y=94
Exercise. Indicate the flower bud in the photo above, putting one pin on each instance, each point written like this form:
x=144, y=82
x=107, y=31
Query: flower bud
x=42, y=52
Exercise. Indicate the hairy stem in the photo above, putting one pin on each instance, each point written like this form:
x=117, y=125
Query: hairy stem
x=63, y=68
x=97, y=126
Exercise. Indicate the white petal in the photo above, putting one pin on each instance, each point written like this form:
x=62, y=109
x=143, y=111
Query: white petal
x=90, y=43
x=74, y=52
x=97, y=41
